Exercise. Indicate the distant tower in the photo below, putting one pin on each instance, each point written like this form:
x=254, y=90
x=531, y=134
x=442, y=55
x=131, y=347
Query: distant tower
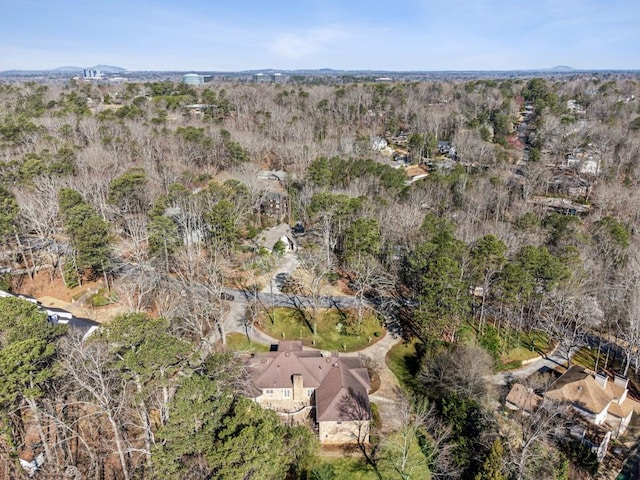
x=91, y=73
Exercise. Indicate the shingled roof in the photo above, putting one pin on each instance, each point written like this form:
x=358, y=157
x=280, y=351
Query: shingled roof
x=579, y=387
x=523, y=398
x=341, y=383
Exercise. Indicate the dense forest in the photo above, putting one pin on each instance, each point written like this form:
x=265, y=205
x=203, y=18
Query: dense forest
x=524, y=220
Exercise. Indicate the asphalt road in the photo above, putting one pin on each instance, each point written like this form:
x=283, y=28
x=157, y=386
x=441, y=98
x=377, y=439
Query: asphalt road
x=284, y=300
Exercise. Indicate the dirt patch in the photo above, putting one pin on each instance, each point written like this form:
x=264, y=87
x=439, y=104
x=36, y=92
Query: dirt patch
x=51, y=292
x=44, y=284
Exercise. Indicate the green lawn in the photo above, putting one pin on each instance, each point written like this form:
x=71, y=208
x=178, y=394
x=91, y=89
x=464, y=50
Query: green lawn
x=404, y=358
x=509, y=347
x=389, y=457
x=238, y=342
x=524, y=346
x=336, y=330
x=343, y=468
x=404, y=361
x=588, y=357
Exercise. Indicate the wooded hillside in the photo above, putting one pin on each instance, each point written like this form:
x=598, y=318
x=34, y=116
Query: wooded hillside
x=509, y=205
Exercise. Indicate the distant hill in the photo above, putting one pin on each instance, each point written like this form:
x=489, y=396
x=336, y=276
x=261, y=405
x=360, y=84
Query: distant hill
x=67, y=69
x=561, y=68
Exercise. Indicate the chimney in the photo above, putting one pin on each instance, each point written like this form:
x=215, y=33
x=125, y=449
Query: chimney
x=298, y=387
x=621, y=381
x=601, y=379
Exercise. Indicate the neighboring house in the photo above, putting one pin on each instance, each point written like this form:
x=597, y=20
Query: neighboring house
x=275, y=175
x=570, y=185
x=586, y=163
x=447, y=149
x=401, y=139
x=444, y=147
x=574, y=107
x=274, y=204
x=597, y=398
x=269, y=237
x=334, y=388
x=560, y=205
x=602, y=404
x=378, y=144
x=523, y=399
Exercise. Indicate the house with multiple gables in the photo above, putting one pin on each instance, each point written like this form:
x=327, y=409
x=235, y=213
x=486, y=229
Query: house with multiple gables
x=599, y=399
x=334, y=389
x=602, y=404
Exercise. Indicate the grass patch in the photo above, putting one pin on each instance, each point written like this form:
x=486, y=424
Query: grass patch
x=238, y=342
x=337, y=330
x=587, y=357
x=352, y=465
x=404, y=361
x=342, y=468
x=508, y=346
x=611, y=363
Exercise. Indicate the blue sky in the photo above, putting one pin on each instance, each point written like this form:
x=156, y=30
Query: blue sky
x=223, y=35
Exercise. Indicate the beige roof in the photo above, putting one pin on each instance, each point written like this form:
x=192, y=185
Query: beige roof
x=341, y=383
x=581, y=389
x=524, y=398
x=622, y=411
x=269, y=237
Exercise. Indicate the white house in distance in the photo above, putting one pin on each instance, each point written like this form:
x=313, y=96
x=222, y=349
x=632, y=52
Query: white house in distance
x=335, y=389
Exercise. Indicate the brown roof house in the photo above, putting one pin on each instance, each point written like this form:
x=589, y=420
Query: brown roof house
x=291, y=380
x=602, y=402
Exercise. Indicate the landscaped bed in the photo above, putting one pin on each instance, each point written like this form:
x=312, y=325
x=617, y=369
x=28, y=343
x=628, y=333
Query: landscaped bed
x=336, y=330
